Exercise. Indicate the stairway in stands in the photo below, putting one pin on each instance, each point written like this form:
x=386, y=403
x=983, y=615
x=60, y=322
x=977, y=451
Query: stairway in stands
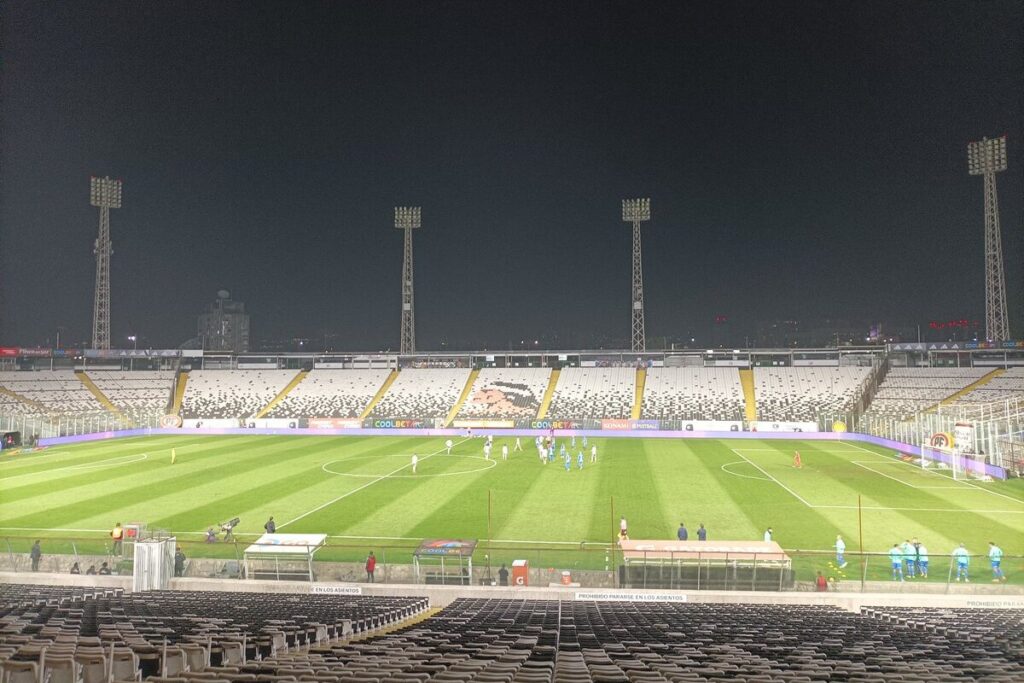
x=638, y=400
x=749, y=400
x=100, y=397
x=284, y=392
x=380, y=394
x=542, y=412
x=462, y=398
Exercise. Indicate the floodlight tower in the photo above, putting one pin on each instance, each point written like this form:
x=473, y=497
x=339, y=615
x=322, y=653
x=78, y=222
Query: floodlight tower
x=407, y=218
x=636, y=211
x=104, y=193
x=986, y=158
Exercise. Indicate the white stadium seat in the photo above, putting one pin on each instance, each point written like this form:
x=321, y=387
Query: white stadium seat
x=506, y=393
x=697, y=393
x=331, y=393
x=231, y=393
x=593, y=393
x=422, y=393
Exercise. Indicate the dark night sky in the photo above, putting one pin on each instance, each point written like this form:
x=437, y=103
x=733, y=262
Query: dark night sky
x=803, y=159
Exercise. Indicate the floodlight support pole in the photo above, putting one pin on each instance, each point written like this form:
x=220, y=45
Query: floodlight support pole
x=986, y=157
x=996, y=318
x=104, y=193
x=407, y=218
x=101, y=299
x=636, y=211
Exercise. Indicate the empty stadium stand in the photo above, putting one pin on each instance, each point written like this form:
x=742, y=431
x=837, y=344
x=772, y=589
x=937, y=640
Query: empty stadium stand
x=906, y=391
x=802, y=394
x=136, y=391
x=49, y=391
x=422, y=394
x=331, y=393
x=231, y=393
x=506, y=393
x=1007, y=386
x=693, y=393
x=593, y=393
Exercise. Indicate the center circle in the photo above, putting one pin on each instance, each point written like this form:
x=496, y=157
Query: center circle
x=406, y=472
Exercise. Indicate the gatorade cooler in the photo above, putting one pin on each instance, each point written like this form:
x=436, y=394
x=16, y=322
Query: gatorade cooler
x=566, y=578
x=520, y=573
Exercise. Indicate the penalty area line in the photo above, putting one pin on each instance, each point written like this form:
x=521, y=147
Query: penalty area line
x=360, y=488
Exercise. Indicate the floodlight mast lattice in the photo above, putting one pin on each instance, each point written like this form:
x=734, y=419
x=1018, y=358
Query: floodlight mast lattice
x=407, y=218
x=637, y=211
x=986, y=158
x=104, y=193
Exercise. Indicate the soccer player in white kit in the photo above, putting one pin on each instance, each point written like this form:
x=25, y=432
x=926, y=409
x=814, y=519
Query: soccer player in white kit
x=504, y=451
x=415, y=460
x=593, y=453
x=448, y=446
x=487, y=451
x=519, y=446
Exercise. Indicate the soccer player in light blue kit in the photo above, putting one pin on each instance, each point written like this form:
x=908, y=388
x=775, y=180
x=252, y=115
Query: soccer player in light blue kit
x=584, y=440
x=909, y=557
x=963, y=559
x=896, y=560
x=922, y=560
x=840, y=551
x=574, y=441
x=995, y=556
x=579, y=460
x=568, y=462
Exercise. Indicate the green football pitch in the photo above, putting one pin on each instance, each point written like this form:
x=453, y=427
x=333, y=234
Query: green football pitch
x=362, y=492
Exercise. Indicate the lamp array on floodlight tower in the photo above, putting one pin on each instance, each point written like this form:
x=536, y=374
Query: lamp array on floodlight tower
x=104, y=193
x=986, y=158
x=407, y=218
x=636, y=211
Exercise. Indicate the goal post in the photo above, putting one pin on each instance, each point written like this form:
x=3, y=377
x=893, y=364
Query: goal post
x=952, y=453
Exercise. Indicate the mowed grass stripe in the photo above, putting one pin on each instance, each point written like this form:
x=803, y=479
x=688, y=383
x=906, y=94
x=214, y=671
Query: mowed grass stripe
x=522, y=505
x=349, y=515
x=49, y=461
x=151, y=481
x=154, y=468
x=278, y=482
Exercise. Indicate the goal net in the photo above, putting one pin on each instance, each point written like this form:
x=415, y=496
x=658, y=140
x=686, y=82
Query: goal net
x=953, y=454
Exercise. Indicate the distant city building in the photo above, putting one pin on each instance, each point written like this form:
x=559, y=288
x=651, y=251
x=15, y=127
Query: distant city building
x=225, y=325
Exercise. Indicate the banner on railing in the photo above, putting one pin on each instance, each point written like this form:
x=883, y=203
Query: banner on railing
x=766, y=426
x=484, y=424
x=711, y=426
x=630, y=425
x=392, y=423
x=335, y=423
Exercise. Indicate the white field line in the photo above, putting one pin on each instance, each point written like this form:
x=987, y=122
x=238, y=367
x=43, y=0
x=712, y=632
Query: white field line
x=860, y=463
x=107, y=462
x=966, y=483
x=791, y=491
x=360, y=488
x=888, y=509
x=737, y=474
x=352, y=538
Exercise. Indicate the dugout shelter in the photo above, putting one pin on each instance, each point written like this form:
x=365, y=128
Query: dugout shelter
x=445, y=561
x=712, y=565
x=282, y=557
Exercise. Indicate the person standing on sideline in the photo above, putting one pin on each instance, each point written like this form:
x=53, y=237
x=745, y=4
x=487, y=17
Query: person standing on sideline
x=797, y=462
x=623, y=531
x=503, y=576
x=995, y=556
x=768, y=535
x=682, y=534
x=504, y=451
x=448, y=447
x=36, y=553
x=702, y=533
x=371, y=565
x=75, y=569
x=821, y=583
x=593, y=451
x=270, y=527
x=840, y=551
x=896, y=560
x=415, y=460
x=962, y=559
x=117, y=536
x=179, y=562
x=922, y=560
x=519, y=446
